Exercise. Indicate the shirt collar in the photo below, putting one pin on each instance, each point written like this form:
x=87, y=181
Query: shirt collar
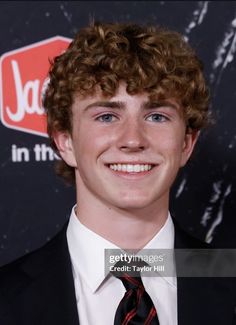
x=164, y=239
x=87, y=250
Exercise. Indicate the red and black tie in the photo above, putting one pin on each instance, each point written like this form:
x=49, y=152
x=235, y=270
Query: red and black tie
x=136, y=307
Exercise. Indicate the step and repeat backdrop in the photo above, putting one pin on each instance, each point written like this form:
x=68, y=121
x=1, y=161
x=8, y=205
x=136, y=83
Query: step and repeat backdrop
x=35, y=203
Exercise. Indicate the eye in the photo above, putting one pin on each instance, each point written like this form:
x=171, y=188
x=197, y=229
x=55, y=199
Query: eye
x=107, y=118
x=157, y=117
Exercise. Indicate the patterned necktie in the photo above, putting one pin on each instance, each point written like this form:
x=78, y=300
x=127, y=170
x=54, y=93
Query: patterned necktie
x=136, y=307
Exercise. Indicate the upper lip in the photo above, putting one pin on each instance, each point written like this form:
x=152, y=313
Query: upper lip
x=131, y=163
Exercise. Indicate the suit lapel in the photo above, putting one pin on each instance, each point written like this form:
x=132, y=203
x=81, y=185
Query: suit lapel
x=52, y=281
x=201, y=300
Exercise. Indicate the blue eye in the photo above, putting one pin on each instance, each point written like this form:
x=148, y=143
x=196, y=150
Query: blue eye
x=107, y=118
x=156, y=117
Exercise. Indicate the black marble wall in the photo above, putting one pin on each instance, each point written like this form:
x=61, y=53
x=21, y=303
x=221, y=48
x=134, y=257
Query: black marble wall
x=35, y=203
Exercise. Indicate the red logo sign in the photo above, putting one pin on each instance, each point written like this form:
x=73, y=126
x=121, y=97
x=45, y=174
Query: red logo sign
x=23, y=80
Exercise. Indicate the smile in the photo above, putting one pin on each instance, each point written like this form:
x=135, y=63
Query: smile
x=131, y=168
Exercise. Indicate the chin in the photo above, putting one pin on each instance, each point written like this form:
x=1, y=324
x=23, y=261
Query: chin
x=133, y=203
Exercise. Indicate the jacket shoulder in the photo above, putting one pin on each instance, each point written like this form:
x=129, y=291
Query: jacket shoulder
x=18, y=273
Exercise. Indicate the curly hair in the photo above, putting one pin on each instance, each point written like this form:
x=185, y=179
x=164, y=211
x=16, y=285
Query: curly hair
x=148, y=58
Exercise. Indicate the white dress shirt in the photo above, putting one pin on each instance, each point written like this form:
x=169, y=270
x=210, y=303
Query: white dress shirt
x=98, y=296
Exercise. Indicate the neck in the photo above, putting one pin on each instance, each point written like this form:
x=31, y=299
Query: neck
x=126, y=228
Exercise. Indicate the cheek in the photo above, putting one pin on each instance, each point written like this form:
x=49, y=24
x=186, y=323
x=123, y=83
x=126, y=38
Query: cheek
x=90, y=148
x=172, y=146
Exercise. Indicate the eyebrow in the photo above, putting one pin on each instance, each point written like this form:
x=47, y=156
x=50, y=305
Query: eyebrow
x=159, y=103
x=121, y=105
x=108, y=104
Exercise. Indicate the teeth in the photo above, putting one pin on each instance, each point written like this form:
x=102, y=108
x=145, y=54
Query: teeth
x=129, y=168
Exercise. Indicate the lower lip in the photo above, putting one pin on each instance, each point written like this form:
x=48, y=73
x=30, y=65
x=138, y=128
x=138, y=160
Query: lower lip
x=132, y=175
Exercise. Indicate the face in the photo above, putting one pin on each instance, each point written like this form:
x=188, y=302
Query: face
x=126, y=150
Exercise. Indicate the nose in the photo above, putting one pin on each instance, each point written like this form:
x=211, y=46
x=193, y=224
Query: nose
x=132, y=137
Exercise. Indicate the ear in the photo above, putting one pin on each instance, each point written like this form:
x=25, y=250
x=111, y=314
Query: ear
x=64, y=145
x=188, y=145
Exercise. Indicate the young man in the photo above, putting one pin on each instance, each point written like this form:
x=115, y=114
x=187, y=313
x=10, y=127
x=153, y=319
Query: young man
x=125, y=105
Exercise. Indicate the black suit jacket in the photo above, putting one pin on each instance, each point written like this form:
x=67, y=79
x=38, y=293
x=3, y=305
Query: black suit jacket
x=38, y=289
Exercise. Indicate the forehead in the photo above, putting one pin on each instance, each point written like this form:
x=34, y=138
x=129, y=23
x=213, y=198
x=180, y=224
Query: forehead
x=121, y=96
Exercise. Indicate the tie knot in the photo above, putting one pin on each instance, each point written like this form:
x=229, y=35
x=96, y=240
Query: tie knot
x=129, y=274
x=131, y=282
